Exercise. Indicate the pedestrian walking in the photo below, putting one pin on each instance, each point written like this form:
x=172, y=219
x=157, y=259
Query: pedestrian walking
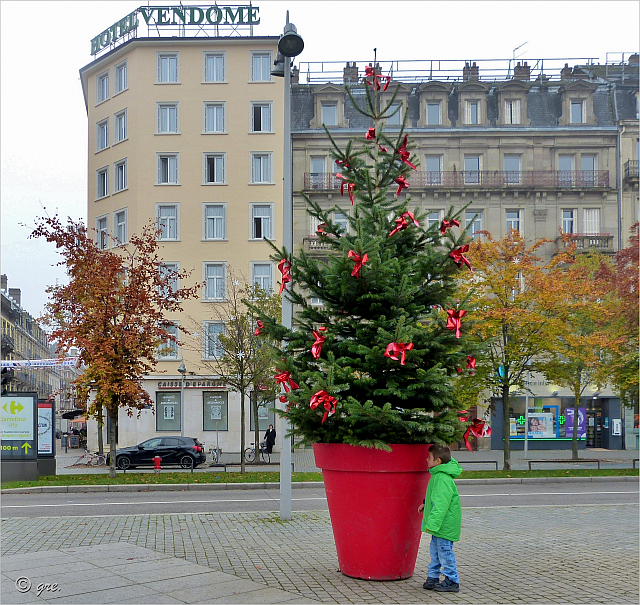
x=270, y=438
x=442, y=519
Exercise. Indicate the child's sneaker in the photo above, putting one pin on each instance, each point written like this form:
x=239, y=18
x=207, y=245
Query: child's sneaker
x=447, y=585
x=431, y=583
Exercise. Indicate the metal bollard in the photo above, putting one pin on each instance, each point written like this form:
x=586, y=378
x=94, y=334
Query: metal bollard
x=156, y=464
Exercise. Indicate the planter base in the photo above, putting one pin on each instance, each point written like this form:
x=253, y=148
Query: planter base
x=373, y=499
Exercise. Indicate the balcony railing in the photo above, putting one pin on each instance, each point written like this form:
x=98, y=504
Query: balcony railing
x=631, y=169
x=595, y=242
x=483, y=178
x=316, y=245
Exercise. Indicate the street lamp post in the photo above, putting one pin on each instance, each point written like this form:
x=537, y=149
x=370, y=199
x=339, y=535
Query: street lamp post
x=290, y=45
x=183, y=370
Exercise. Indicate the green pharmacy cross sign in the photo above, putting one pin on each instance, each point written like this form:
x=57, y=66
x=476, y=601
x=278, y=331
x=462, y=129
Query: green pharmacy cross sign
x=157, y=16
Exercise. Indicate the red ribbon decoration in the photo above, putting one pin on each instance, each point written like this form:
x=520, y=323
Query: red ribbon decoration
x=259, y=328
x=285, y=268
x=447, y=225
x=369, y=72
x=404, y=154
x=471, y=363
x=464, y=416
x=382, y=149
x=321, y=398
x=359, y=261
x=316, y=348
x=395, y=348
x=459, y=258
x=344, y=163
x=371, y=134
x=477, y=428
x=402, y=184
x=402, y=222
x=350, y=187
x=454, y=321
x=284, y=378
x=320, y=229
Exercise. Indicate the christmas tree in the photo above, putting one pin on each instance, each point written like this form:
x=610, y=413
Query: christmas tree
x=374, y=364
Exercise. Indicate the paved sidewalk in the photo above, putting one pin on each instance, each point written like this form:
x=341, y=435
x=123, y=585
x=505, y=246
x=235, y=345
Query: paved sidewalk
x=528, y=554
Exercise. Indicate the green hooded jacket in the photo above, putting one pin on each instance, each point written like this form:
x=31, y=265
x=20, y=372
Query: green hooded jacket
x=442, y=513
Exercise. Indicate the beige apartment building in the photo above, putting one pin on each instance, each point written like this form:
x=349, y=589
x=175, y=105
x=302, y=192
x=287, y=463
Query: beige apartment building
x=187, y=132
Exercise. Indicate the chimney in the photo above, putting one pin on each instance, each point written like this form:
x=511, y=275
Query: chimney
x=470, y=72
x=295, y=75
x=566, y=72
x=633, y=59
x=522, y=72
x=350, y=73
x=4, y=283
x=15, y=294
x=579, y=74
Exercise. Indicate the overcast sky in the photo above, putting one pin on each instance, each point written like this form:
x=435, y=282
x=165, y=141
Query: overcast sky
x=44, y=44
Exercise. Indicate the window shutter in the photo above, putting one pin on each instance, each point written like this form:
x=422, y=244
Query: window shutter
x=467, y=113
x=516, y=112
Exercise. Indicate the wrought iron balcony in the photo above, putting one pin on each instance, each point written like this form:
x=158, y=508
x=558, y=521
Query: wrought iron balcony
x=631, y=169
x=594, y=242
x=316, y=245
x=575, y=179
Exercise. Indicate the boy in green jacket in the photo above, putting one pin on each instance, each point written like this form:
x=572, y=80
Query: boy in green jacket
x=442, y=519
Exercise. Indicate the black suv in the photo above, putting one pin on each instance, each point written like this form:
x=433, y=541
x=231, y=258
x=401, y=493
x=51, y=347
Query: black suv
x=185, y=451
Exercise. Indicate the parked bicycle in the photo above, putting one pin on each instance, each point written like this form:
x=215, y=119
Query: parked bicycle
x=250, y=453
x=91, y=459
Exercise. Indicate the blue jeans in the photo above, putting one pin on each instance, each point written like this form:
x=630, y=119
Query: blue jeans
x=441, y=551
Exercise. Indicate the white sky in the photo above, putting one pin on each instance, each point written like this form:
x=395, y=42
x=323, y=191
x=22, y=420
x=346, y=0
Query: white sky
x=44, y=44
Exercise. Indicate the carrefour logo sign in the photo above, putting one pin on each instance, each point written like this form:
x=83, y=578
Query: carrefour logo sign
x=177, y=15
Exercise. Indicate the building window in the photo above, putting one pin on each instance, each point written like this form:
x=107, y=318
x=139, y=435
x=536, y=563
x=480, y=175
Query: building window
x=169, y=348
x=212, y=346
x=472, y=167
x=472, y=112
x=102, y=135
x=261, y=221
x=512, y=111
x=214, y=280
x=167, y=118
x=214, y=221
x=102, y=84
x=261, y=276
x=120, y=176
x=266, y=416
x=513, y=220
x=330, y=114
x=473, y=222
x=317, y=166
x=102, y=182
x=566, y=166
x=214, y=67
x=214, y=117
x=261, y=168
x=214, y=169
x=568, y=221
x=591, y=221
x=433, y=218
x=167, y=217
x=340, y=219
x=168, y=169
x=120, y=126
x=433, y=166
x=168, y=412
x=261, y=117
x=261, y=67
x=102, y=232
x=168, y=68
x=433, y=114
x=120, y=227
x=215, y=411
x=588, y=167
x=121, y=77
x=577, y=112
x=396, y=118
x=169, y=270
x=512, y=169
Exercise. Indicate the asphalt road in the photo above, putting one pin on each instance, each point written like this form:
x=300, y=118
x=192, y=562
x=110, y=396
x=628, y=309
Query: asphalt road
x=263, y=500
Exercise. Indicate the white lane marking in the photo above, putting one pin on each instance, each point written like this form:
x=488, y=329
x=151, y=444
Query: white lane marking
x=544, y=494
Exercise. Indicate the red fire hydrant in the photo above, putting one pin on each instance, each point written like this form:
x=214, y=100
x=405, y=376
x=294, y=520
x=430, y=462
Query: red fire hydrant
x=156, y=464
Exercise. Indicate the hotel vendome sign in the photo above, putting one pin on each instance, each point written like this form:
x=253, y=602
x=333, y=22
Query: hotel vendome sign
x=176, y=15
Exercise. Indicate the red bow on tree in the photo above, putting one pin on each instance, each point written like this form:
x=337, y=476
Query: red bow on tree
x=371, y=134
x=404, y=154
x=344, y=163
x=464, y=416
x=359, y=261
x=350, y=187
x=259, y=328
x=283, y=399
x=477, y=428
x=454, y=321
x=447, y=225
x=402, y=222
x=316, y=348
x=402, y=184
x=382, y=149
x=369, y=72
x=471, y=363
x=395, y=348
x=459, y=258
x=284, y=378
x=320, y=229
x=321, y=398
x=285, y=268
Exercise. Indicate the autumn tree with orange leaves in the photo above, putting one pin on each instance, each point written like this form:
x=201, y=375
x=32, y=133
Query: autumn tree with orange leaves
x=114, y=311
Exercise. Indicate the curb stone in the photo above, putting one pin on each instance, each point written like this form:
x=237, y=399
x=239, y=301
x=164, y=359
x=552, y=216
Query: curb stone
x=138, y=487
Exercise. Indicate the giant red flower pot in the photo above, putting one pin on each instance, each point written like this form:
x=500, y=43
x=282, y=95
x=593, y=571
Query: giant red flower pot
x=373, y=499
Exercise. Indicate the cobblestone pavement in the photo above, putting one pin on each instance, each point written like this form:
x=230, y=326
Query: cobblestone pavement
x=527, y=554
